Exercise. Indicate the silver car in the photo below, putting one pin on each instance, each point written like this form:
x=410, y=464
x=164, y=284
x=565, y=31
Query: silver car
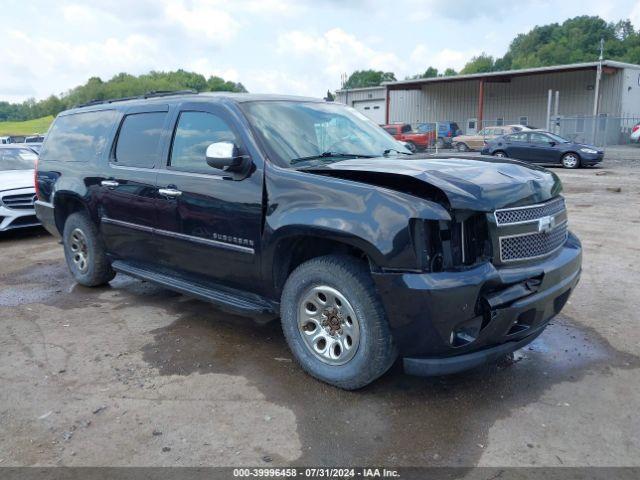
x=17, y=190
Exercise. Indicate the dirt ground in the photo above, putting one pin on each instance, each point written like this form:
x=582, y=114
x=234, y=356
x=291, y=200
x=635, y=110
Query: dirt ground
x=132, y=374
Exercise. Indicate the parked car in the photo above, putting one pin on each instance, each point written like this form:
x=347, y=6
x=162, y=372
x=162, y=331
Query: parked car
x=446, y=131
x=464, y=143
x=405, y=133
x=34, y=139
x=544, y=147
x=635, y=133
x=17, y=192
x=274, y=206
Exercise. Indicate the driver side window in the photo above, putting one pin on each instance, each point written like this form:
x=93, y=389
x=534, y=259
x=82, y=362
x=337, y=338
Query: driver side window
x=194, y=132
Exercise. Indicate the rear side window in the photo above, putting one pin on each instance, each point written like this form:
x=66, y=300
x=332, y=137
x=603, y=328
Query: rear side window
x=139, y=139
x=391, y=130
x=80, y=137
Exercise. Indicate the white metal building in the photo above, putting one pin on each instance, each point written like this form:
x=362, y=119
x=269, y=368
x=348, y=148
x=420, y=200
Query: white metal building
x=495, y=98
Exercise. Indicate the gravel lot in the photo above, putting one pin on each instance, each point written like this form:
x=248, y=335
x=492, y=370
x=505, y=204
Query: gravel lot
x=132, y=374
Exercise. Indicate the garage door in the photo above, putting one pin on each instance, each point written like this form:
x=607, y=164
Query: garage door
x=374, y=109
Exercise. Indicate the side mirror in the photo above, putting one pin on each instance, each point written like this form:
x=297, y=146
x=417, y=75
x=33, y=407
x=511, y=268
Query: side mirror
x=224, y=156
x=552, y=143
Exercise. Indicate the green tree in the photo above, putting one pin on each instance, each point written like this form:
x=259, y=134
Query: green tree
x=450, y=72
x=480, y=64
x=368, y=78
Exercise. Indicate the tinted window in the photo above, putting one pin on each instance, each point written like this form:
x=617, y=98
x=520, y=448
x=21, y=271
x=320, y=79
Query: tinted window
x=194, y=133
x=79, y=137
x=139, y=139
x=17, y=159
x=539, y=138
x=406, y=128
x=517, y=137
x=391, y=130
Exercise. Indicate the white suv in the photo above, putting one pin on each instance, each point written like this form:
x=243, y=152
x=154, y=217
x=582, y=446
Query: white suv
x=17, y=191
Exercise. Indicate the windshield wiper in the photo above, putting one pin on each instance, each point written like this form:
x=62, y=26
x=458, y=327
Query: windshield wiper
x=389, y=150
x=328, y=156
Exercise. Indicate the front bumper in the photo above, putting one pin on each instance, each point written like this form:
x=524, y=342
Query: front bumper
x=12, y=218
x=591, y=158
x=449, y=321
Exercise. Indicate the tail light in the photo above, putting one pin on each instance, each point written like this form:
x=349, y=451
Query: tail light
x=449, y=133
x=635, y=127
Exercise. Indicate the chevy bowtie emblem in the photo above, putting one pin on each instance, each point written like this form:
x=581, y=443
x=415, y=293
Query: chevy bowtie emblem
x=546, y=224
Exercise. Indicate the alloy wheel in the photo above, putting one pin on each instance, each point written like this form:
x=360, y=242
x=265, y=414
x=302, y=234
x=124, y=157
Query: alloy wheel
x=79, y=250
x=570, y=160
x=328, y=325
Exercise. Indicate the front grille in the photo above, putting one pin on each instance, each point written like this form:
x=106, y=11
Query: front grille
x=511, y=216
x=21, y=201
x=532, y=245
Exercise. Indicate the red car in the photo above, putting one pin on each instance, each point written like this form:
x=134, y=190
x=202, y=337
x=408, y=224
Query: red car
x=404, y=133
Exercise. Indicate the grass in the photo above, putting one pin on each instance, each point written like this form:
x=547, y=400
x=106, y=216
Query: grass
x=28, y=127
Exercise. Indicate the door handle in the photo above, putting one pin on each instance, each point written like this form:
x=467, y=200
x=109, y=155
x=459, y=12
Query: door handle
x=169, y=192
x=109, y=183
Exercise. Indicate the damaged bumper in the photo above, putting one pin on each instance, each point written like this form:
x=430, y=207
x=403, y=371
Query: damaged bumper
x=451, y=321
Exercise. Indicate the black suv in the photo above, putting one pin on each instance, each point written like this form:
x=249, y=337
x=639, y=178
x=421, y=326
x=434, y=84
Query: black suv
x=275, y=206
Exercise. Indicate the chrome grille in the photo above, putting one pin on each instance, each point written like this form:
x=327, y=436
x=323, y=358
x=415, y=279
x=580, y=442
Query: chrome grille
x=511, y=216
x=532, y=245
x=21, y=201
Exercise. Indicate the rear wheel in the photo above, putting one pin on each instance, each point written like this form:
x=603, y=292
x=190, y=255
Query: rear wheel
x=84, y=251
x=334, y=322
x=500, y=154
x=570, y=160
x=462, y=147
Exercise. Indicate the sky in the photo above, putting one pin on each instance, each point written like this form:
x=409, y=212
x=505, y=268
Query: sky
x=296, y=47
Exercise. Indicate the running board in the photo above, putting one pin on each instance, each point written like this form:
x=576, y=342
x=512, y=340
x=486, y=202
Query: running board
x=228, y=300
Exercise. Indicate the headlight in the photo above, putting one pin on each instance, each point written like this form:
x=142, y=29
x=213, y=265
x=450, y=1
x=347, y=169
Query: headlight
x=588, y=150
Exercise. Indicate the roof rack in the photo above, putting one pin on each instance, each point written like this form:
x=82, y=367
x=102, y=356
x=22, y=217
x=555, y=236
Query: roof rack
x=151, y=94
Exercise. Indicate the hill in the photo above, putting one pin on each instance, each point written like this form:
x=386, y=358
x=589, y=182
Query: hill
x=27, y=127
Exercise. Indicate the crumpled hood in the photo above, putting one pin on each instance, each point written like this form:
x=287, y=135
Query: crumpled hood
x=470, y=183
x=11, y=179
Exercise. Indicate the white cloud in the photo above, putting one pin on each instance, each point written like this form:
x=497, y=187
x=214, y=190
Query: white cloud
x=202, y=18
x=634, y=15
x=423, y=57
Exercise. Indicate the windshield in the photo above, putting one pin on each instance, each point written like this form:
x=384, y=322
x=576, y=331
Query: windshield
x=312, y=130
x=17, y=159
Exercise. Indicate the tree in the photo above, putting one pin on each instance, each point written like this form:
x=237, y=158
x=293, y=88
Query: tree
x=450, y=72
x=480, y=64
x=368, y=78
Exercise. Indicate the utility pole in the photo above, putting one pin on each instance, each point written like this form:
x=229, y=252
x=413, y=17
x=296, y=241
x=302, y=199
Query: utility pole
x=596, y=98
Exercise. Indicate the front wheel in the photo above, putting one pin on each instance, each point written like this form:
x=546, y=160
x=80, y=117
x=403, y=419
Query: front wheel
x=84, y=251
x=570, y=160
x=500, y=154
x=462, y=147
x=334, y=322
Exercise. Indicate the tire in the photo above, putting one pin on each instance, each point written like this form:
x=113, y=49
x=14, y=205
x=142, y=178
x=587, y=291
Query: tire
x=462, y=147
x=570, y=160
x=85, y=252
x=500, y=154
x=412, y=146
x=337, y=276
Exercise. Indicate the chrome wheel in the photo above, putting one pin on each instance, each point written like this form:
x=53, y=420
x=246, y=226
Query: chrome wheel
x=79, y=250
x=462, y=147
x=499, y=154
x=570, y=160
x=328, y=325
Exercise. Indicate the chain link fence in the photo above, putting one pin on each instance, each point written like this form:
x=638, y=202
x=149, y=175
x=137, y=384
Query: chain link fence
x=602, y=131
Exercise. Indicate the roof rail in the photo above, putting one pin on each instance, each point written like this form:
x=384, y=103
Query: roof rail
x=151, y=94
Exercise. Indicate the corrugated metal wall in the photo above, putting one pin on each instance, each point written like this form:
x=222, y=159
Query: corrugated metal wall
x=350, y=96
x=522, y=96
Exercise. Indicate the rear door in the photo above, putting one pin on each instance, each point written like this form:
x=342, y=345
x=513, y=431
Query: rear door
x=516, y=146
x=128, y=186
x=209, y=221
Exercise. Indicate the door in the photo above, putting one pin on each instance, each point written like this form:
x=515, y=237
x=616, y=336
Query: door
x=472, y=126
x=516, y=146
x=373, y=109
x=209, y=221
x=542, y=148
x=127, y=199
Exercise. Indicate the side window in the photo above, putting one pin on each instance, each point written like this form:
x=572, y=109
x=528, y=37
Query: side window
x=79, y=137
x=138, y=142
x=539, y=138
x=406, y=128
x=517, y=137
x=391, y=130
x=194, y=133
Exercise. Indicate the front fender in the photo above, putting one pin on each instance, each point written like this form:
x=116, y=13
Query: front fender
x=371, y=218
